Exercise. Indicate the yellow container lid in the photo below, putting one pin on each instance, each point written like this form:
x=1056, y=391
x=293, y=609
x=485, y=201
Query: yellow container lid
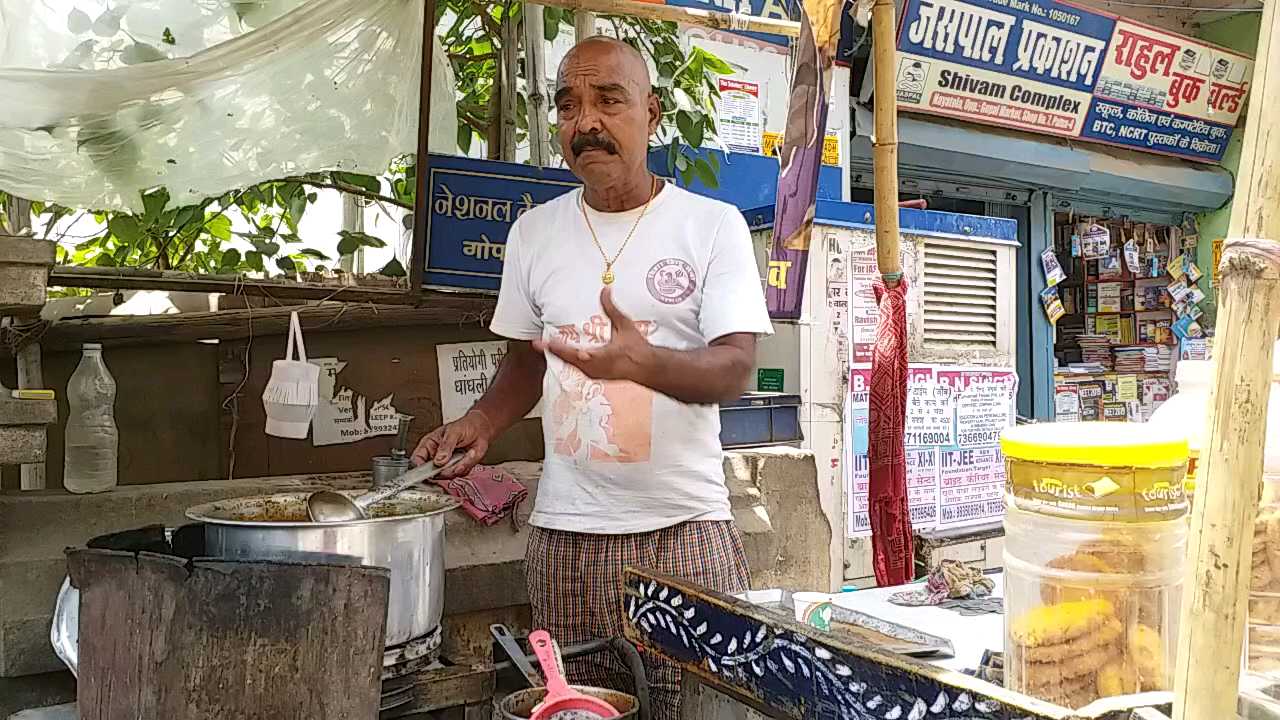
x=1102, y=444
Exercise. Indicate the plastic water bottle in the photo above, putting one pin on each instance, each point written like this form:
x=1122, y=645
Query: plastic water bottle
x=92, y=440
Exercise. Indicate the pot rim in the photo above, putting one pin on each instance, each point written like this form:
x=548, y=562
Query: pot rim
x=202, y=513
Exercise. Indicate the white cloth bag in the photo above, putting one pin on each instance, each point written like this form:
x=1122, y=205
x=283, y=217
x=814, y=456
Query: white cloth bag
x=293, y=392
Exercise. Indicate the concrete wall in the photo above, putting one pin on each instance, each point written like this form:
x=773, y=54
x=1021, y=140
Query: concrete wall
x=774, y=495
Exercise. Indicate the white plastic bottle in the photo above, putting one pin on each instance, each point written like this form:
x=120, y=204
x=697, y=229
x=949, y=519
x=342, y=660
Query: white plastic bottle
x=1187, y=411
x=92, y=441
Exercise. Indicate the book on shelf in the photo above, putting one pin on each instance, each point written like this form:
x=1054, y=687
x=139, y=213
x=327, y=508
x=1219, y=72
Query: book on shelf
x=1108, y=298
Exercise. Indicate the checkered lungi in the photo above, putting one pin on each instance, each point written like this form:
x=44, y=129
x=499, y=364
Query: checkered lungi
x=575, y=587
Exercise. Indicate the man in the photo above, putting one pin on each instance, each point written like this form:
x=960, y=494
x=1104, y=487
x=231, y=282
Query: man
x=632, y=307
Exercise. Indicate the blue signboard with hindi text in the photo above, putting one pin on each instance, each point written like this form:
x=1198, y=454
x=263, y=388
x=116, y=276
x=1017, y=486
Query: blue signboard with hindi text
x=471, y=205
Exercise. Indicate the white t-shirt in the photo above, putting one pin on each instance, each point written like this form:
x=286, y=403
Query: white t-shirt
x=621, y=458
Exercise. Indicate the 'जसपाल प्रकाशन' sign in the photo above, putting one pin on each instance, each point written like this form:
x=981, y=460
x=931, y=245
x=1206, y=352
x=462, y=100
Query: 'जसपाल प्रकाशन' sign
x=1049, y=67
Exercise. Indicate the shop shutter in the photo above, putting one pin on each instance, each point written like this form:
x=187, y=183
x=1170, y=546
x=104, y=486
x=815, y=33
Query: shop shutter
x=968, y=289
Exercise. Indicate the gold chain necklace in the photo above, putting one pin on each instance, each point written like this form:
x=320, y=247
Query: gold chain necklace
x=607, y=277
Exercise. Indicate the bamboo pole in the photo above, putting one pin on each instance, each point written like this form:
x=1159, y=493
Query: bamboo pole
x=1211, y=632
x=713, y=19
x=885, y=144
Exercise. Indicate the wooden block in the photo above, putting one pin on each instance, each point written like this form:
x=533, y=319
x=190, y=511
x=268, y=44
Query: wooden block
x=22, y=429
x=21, y=444
x=28, y=412
x=24, y=272
x=467, y=683
x=164, y=638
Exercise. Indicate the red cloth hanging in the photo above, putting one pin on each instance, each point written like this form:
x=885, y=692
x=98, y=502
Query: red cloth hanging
x=893, y=552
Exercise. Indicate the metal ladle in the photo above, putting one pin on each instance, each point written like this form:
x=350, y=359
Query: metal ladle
x=327, y=506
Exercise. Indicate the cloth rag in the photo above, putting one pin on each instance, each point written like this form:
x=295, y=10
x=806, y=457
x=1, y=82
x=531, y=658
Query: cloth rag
x=487, y=494
x=893, y=554
x=950, y=580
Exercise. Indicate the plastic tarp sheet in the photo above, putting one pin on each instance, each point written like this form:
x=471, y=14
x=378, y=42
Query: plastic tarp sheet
x=106, y=98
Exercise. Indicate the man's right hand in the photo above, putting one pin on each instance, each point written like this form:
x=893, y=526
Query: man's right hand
x=472, y=432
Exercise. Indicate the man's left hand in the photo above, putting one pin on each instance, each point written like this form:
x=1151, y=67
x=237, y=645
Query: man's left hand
x=623, y=358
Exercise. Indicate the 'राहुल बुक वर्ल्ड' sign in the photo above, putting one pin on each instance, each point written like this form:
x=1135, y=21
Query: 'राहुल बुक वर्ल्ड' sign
x=1058, y=69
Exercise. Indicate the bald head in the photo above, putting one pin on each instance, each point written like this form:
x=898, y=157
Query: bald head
x=606, y=110
x=623, y=59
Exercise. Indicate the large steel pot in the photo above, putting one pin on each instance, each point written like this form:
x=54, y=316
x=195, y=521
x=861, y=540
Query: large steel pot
x=404, y=534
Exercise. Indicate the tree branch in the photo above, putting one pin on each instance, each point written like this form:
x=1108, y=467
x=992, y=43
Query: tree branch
x=350, y=189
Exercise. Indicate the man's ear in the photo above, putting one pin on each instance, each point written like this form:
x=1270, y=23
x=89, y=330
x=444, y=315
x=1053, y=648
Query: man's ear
x=655, y=112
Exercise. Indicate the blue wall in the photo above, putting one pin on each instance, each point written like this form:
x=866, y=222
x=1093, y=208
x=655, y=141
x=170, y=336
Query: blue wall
x=746, y=181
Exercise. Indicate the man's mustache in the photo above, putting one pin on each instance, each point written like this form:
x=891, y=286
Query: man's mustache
x=582, y=143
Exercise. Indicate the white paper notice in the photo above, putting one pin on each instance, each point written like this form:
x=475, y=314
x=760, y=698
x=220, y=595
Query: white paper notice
x=984, y=404
x=859, y=493
x=466, y=370
x=930, y=410
x=972, y=486
x=922, y=487
x=346, y=416
x=955, y=474
x=739, y=122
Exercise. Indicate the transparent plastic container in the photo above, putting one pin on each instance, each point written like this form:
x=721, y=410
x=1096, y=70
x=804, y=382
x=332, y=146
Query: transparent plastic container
x=1262, y=636
x=92, y=442
x=1187, y=412
x=1095, y=542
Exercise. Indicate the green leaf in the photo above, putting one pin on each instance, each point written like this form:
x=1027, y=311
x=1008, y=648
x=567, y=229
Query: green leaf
x=550, y=25
x=254, y=259
x=266, y=247
x=167, y=38
x=464, y=137
x=363, y=239
x=287, y=264
x=313, y=254
x=713, y=63
x=78, y=22
x=348, y=246
x=230, y=259
x=686, y=175
x=291, y=238
x=139, y=53
x=219, y=226
x=393, y=269
x=690, y=128
x=104, y=260
x=153, y=204
x=365, y=182
x=296, y=204
x=126, y=228
x=682, y=162
x=702, y=169
x=715, y=161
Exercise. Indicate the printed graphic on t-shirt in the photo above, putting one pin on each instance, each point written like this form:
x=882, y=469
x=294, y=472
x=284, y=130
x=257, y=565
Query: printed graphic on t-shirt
x=609, y=421
x=672, y=281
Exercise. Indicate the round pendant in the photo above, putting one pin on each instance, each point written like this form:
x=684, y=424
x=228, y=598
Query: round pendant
x=607, y=277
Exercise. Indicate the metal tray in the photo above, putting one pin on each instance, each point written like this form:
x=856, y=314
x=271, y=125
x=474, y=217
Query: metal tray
x=864, y=629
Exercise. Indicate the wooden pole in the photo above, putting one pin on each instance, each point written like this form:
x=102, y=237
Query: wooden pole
x=417, y=258
x=885, y=144
x=1211, y=632
x=584, y=25
x=509, y=85
x=536, y=77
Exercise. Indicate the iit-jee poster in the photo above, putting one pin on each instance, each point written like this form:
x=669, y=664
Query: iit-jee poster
x=955, y=470
x=1051, y=67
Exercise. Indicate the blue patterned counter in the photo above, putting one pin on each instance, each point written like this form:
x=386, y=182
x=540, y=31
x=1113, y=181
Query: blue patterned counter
x=788, y=670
